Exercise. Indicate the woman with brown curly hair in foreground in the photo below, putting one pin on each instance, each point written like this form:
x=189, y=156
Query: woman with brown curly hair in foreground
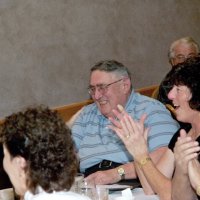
x=39, y=155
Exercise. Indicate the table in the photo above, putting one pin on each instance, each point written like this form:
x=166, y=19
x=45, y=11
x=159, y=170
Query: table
x=7, y=194
x=138, y=193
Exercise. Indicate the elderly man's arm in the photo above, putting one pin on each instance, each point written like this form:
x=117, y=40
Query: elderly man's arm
x=112, y=176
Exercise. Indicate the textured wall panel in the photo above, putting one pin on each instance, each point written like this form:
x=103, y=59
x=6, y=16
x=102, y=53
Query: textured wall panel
x=48, y=46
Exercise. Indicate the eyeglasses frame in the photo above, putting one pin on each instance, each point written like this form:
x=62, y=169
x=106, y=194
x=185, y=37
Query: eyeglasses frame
x=105, y=87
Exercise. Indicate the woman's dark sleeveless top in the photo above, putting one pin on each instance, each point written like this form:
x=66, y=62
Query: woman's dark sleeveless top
x=172, y=143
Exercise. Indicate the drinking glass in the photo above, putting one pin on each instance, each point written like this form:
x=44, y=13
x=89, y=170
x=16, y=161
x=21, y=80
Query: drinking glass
x=101, y=193
x=7, y=194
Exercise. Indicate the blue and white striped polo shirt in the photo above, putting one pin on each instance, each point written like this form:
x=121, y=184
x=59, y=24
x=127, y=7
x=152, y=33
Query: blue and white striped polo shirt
x=95, y=142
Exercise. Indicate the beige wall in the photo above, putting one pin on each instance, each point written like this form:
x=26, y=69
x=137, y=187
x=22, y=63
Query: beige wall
x=48, y=46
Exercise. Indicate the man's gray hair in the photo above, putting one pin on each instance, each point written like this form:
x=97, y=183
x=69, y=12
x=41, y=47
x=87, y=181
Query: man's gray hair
x=185, y=40
x=112, y=66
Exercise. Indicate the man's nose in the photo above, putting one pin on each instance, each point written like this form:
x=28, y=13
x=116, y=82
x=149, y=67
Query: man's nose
x=97, y=94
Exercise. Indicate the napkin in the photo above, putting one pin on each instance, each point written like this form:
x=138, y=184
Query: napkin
x=126, y=195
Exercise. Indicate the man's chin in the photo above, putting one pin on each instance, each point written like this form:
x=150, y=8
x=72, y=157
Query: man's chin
x=105, y=112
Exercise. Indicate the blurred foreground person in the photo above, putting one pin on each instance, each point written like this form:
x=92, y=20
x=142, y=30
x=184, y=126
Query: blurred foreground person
x=39, y=155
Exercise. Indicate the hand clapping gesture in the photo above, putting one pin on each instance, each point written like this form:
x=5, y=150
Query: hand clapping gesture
x=131, y=132
x=185, y=151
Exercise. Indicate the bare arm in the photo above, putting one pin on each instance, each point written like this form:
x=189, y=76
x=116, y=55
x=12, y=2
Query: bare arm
x=157, y=177
x=136, y=144
x=184, y=152
x=112, y=176
x=194, y=173
x=181, y=188
x=143, y=173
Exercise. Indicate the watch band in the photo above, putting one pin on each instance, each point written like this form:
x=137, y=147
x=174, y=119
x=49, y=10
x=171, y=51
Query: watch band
x=198, y=190
x=144, y=161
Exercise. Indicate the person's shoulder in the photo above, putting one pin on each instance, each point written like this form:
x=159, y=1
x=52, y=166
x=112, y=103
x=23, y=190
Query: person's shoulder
x=62, y=195
x=148, y=101
x=87, y=113
x=69, y=196
x=91, y=106
x=75, y=196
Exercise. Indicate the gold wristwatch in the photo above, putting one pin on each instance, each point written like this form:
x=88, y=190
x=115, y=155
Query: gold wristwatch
x=198, y=190
x=144, y=161
x=121, y=172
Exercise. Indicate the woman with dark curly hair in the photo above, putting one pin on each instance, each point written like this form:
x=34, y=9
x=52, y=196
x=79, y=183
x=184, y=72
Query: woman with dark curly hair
x=39, y=155
x=181, y=158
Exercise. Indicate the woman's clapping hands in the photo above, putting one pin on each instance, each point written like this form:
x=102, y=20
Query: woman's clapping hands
x=132, y=132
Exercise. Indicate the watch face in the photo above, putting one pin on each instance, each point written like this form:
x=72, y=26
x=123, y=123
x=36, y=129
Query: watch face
x=143, y=161
x=121, y=171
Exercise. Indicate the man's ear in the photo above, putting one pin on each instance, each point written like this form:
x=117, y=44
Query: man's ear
x=126, y=85
x=171, y=62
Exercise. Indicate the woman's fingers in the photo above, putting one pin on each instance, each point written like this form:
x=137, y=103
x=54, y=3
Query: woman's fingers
x=185, y=149
x=115, y=122
x=125, y=126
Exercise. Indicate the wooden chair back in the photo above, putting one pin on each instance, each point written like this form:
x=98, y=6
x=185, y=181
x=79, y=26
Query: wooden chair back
x=67, y=111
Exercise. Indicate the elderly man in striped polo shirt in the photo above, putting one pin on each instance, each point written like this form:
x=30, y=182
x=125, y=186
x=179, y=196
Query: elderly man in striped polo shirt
x=103, y=157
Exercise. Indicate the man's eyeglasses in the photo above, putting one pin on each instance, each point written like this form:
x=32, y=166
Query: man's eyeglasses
x=182, y=58
x=102, y=88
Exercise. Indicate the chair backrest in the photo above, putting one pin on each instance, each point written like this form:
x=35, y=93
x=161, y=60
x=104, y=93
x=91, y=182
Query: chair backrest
x=155, y=93
x=67, y=111
x=171, y=110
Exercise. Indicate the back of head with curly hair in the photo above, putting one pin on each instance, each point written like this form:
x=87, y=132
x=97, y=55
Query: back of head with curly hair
x=41, y=137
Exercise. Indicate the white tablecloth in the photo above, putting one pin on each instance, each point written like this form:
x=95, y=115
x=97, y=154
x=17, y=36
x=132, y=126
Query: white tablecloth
x=138, y=193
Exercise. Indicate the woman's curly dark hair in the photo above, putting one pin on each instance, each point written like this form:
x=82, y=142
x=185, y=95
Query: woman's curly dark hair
x=188, y=74
x=41, y=137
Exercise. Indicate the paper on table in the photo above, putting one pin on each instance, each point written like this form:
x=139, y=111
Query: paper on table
x=115, y=186
x=127, y=194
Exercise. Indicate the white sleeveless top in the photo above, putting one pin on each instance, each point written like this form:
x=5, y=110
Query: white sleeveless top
x=62, y=195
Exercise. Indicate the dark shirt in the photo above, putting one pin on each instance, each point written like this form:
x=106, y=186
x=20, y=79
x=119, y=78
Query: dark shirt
x=172, y=143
